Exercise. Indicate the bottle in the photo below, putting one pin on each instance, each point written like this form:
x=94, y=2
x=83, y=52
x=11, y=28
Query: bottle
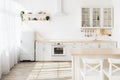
x=98, y=18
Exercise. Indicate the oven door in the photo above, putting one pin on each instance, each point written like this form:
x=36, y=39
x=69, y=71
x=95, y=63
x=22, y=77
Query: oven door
x=58, y=50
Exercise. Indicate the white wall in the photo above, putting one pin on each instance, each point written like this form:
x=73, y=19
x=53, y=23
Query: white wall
x=116, y=31
x=66, y=27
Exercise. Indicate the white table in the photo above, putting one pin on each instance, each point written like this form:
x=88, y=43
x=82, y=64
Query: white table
x=78, y=53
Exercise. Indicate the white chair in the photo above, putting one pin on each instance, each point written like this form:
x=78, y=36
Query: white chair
x=113, y=72
x=92, y=69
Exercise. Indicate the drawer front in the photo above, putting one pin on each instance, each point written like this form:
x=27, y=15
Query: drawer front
x=108, y=45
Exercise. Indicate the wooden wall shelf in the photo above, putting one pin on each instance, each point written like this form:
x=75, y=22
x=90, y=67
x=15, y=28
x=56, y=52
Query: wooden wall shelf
x=40, y=16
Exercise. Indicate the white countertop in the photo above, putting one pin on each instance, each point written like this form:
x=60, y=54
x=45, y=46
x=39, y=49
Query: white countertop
x=74, y=41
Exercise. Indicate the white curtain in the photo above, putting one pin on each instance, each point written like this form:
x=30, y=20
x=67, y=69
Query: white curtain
x=0, y=66
x=8, y=35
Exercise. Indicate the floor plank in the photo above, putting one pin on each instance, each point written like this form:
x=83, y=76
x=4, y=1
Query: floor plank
x=40, y=71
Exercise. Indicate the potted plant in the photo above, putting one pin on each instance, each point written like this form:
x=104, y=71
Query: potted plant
x=47, y=18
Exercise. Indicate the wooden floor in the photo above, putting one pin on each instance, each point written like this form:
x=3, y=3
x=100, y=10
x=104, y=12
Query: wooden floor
x=40, y=71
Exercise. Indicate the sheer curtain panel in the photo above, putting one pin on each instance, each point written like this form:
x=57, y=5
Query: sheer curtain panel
x=8, y=40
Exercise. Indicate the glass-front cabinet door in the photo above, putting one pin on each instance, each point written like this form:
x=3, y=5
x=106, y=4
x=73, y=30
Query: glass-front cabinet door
x=96, y=17
x=107, y=17
x=85, y=17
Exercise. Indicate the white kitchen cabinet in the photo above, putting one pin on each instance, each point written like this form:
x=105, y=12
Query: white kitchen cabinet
x=95, y=45
x=97, y=17
x=77, y=45
x=40, y=51
x=99, y=45
x=68, y=48
x=108, y=45
x=89, y=45
x=86, y=45
x=27, y=45
x=45, y=50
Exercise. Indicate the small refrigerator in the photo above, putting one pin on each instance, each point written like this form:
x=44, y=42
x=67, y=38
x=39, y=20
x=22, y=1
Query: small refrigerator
x=27, y=47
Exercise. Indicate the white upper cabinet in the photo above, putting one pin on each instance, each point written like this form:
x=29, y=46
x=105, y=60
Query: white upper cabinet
x=107, y=17
x=97, y=17
x=86, y=17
